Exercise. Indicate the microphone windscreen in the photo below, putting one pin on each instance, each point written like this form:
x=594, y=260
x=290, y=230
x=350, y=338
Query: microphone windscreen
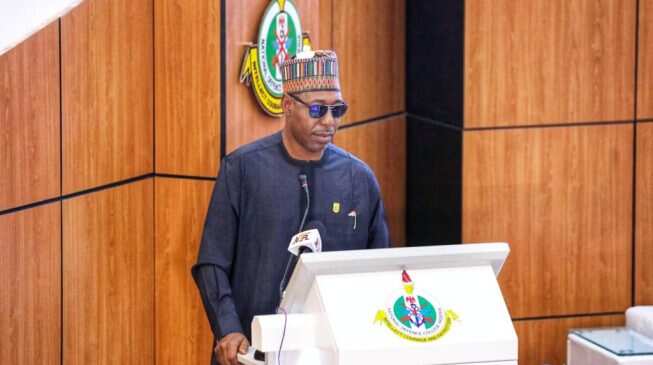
x=309, y=239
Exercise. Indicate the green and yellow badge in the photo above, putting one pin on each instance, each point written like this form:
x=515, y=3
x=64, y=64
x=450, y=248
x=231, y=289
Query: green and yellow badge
x=415, y=318
x=280, y=37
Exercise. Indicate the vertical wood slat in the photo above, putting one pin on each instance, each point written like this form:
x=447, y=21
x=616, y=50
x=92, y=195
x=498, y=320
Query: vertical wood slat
x=645, y=63
x=382, y=145
x=548, y=62
x=562, y=198
x=187, y=81
x=183, y=335
x=30, y=294
x=108, y=279
x=246, y=121
x=369, y=37
x=644, y=216
x=107, y=62
x=30, y=120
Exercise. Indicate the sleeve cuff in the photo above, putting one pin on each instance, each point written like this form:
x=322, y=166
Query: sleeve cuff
x=228, y=324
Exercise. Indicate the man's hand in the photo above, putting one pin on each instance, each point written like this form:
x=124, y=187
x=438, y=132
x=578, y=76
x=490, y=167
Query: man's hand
x=227, y=349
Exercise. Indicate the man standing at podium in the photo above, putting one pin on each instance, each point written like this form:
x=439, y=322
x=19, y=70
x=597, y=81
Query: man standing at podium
x=263, y=191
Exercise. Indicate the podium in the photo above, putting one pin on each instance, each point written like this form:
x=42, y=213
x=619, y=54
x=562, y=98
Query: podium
x=413, y=305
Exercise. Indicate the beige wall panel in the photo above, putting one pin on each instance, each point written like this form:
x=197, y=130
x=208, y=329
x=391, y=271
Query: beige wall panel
x=548, y=61
x=562, y=199
x=183, y=334
x=645, y=66
x=644, y=216
x=29, y=120
x=30, y=294
x=545, y=341
x=107, y=72
x=108, y=283
x=369, y=37
x=187, y=81
x=246, y=121
x=382, y=145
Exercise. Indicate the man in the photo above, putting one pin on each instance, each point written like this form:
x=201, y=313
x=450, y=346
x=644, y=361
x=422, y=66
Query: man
x=258, y=204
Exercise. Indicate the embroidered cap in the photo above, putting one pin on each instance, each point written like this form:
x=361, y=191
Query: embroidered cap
x=310, y=71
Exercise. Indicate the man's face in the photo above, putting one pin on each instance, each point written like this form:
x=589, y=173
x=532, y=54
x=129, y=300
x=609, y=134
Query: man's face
x=309, y=133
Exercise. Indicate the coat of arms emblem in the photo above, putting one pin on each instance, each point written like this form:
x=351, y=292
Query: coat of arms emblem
x=414, y=317
x=280, y=37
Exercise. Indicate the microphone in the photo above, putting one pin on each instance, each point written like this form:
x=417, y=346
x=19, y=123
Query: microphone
x=304, y=184
x=308, y=240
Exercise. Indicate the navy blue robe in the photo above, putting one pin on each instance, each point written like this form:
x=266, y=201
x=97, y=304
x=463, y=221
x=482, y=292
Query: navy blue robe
x=256, y=207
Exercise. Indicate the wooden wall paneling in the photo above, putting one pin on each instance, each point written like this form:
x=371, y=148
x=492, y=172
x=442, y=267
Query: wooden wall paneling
x=29, y=120
x=183, y=334
x=645, y=64
x=644, y=216
x=545, y=341
x=369, y=37
x=562, y=199
x=107, y=65
x=30, y=294
x=187, y=82
x=246, y=121
x=548, y=62
x=108, y=282
x=382, y=145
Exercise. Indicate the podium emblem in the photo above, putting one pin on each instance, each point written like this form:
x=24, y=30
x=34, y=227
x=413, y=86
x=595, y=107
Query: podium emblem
x=279, y=38
x=414, y=317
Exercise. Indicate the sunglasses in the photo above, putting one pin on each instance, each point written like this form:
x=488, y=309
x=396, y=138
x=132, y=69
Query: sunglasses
x=317, y=111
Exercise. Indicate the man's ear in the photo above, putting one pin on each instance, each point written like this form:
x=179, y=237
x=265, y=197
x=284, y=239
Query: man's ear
x=286, y=103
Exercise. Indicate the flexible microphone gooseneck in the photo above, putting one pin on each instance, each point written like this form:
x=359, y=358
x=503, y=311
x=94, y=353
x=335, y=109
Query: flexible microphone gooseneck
x=284, y=280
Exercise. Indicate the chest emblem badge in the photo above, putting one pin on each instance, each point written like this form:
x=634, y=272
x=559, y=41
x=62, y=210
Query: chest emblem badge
x=335, y=208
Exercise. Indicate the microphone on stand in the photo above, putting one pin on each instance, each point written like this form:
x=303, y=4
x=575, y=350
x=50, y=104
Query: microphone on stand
x=303, y=182
x=309, y=239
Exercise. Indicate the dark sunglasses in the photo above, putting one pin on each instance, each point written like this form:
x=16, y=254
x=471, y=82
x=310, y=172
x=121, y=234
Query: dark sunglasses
x=317, y=111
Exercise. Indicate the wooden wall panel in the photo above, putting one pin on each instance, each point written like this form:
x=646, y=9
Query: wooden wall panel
x=644, y=216
x=382, y=145
x=246, y=121
x=30, y=294
x=645, y=66
x=183, y=334
x=548, y=61
x=107, y=92
x=187, y=81
x=562, y=198
x=369, y=37
x=29, y=120
x=545, y=341
x=108, y=282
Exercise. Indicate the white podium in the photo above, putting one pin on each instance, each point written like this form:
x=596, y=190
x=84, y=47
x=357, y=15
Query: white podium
x=416, y=305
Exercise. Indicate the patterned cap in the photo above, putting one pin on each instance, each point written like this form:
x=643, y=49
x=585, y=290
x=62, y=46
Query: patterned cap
x=311, y=71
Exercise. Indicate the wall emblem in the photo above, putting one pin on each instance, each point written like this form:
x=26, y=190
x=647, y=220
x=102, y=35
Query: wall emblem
x=280, y=37
x=414, y=317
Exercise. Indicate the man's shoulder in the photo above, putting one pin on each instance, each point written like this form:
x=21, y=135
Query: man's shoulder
x=259, y=145
x=359, y=165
